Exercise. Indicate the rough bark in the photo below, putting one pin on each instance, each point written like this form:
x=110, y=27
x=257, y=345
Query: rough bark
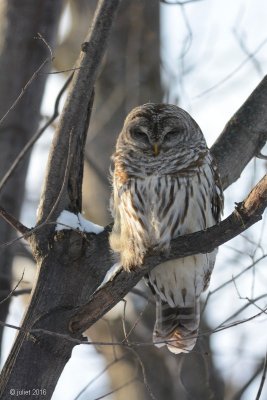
x=21, y=54
x=243, y=136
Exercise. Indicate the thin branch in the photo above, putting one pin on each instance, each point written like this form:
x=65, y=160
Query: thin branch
x=12, y=221
x=241, y=391
x=240, y=310
x=63, y=71
x=245, y=215
x=231, y=280
x=40, y=37
x=32, y=78
x=151, y=394
x=13, y=290
x=243, y=46
x=233, y=72
x=36, y=332
x=107, y=367
x=138, y=319
x=16, y=292
x=236, y=323
x=36, y=136
x=117, y=389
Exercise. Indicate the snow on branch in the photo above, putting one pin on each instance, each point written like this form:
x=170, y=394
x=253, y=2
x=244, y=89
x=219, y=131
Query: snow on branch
x=69, y=220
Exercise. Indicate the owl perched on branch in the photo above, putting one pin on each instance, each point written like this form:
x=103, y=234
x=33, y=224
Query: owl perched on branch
x=165, y=185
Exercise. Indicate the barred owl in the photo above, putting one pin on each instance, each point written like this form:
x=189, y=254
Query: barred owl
x=165, y=184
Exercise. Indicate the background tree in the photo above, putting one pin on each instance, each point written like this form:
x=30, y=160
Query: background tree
x=24, y=61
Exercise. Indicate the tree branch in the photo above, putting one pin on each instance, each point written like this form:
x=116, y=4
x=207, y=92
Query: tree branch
x=246, y=214
x=243, y=136
x=75, y=115
x=12, y=221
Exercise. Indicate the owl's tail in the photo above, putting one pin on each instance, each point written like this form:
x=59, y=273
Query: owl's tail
x=176, y=327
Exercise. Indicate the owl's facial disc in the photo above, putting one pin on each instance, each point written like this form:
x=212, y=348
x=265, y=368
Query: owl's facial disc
x=141, y=135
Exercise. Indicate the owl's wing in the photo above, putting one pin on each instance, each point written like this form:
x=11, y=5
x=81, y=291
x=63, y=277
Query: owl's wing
x=127, y=236
x=179, y=283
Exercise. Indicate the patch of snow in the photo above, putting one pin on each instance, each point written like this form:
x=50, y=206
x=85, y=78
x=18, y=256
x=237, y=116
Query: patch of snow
x=69, y=220
x=89, y=226
x=110, y=275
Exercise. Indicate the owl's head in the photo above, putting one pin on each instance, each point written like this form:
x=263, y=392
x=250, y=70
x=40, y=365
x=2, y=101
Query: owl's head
x=159, y=128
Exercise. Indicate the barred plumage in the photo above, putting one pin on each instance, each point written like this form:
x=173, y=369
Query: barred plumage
x=165, y=184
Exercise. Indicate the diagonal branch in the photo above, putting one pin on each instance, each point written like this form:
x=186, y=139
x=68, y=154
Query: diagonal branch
x=246, y=214
x=243, y=136
x=12, y=221
x=75, y=117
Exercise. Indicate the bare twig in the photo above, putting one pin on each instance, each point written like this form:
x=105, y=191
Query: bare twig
x=12, y=221
x=13, y=290
x=224, y=284
x=135, y=323
x=151, y=394
x=16, y=292
x=234, y=71
x=117, y=389
x=252, y=57
x=235, y=323
x=36, y=136
x=32, y=78
x=40, y=37
x=241, y=391
x=107, y=367
x=236, y=276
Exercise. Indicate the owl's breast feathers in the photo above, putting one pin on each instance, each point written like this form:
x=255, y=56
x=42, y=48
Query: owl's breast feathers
x=154, y=208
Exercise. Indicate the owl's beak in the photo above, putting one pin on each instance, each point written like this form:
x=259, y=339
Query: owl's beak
x=156, y=149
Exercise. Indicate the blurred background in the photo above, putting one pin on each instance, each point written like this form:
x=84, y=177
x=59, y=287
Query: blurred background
x=205, y=56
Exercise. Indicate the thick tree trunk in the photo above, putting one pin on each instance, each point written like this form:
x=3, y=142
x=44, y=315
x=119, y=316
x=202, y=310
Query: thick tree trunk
x=21, y=54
